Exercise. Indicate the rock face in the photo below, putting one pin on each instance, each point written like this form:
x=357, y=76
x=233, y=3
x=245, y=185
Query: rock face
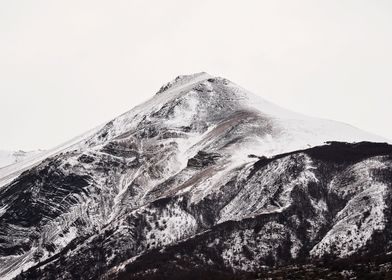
x=203, y=180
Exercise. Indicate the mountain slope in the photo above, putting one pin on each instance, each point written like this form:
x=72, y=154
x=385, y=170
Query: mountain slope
x=177, y=168
x=338, y=193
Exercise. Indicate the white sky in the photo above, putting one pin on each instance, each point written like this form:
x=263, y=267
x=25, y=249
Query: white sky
x=67, y=66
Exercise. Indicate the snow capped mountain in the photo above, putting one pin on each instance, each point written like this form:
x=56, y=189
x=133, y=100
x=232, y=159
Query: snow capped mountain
x=204, y=175
x=12, y=157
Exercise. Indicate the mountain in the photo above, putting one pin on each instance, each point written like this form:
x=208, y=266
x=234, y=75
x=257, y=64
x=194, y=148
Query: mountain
x=203, y=181
x=12, y=157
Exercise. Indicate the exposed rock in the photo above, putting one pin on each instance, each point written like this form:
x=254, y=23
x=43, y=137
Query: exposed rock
x=203, y=159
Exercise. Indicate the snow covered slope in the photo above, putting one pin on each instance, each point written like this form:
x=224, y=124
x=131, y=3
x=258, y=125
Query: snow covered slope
x=194, y=158
x=12, y=171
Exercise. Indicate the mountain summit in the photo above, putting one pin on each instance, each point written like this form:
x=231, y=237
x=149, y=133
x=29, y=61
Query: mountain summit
x=205, y=178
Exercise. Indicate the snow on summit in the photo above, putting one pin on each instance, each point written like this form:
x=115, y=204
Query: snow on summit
x=201, y=101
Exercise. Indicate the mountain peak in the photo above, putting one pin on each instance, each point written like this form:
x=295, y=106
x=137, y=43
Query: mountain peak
x=178, y=166
x=184, y=79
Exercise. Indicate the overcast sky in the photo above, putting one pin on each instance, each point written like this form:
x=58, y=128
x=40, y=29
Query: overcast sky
x=68, y=66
